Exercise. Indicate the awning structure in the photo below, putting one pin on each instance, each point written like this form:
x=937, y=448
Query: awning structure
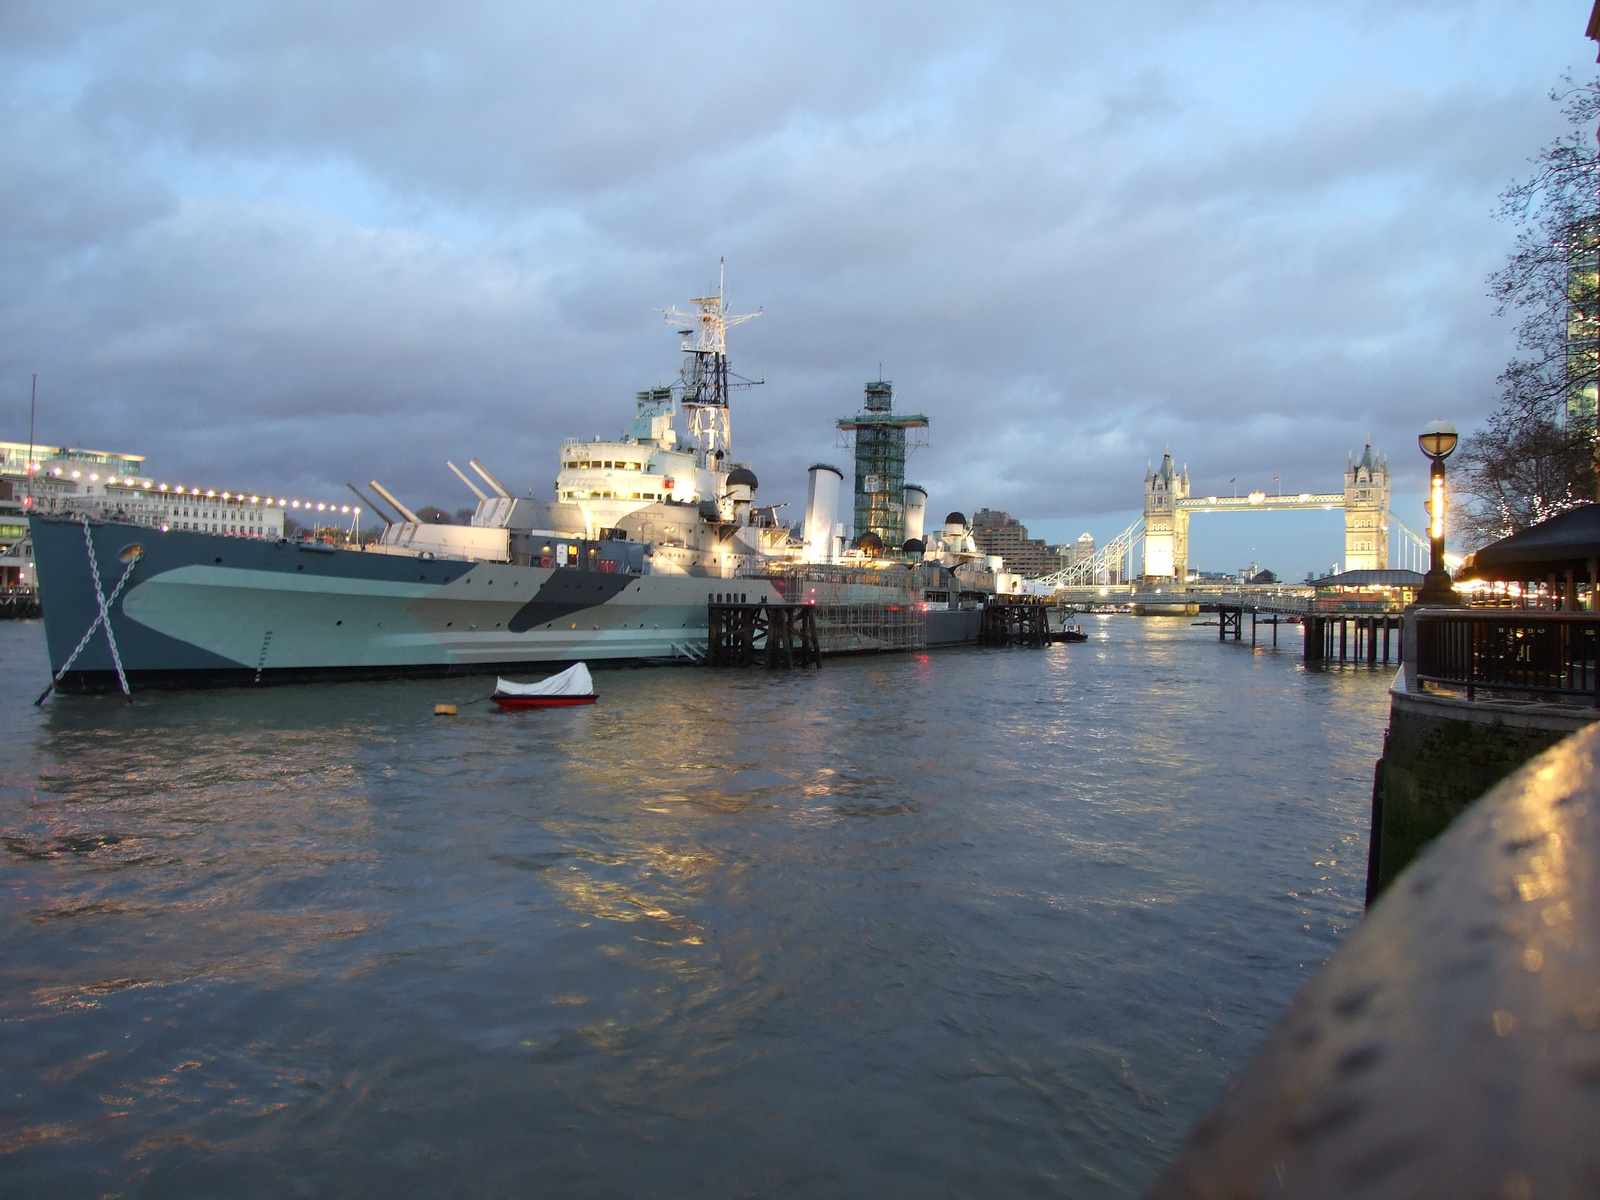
x=1569, y=541
x=1371, y=579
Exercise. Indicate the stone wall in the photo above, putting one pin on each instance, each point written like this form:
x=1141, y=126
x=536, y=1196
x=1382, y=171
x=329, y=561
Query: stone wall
x=1440, y=754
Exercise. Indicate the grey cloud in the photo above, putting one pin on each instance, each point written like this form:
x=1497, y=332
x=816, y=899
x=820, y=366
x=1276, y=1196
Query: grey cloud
x=295, y=244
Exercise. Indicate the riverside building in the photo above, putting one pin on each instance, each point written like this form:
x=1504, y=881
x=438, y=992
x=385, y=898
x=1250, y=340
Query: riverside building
x=106, y=484
x=1002, y=534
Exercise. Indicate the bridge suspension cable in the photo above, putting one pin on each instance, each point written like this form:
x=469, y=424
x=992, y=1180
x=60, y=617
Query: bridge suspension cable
x=1116, y=556
x=1115, y=560
x=1414, y=550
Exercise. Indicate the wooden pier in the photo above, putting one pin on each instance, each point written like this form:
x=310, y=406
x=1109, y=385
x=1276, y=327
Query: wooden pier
x=1231, y=620
x=762, y=635
x=19, y=603
x=1014, y=623
x=1353, y=637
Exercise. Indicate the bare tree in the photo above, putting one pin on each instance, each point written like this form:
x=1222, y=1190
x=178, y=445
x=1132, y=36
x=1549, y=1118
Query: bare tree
x=1537, y=454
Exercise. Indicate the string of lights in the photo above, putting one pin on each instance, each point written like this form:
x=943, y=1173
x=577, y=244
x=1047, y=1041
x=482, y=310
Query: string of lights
x=155, y=489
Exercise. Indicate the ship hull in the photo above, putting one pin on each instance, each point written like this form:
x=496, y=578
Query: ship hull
x=212, y=610
x=208, y=610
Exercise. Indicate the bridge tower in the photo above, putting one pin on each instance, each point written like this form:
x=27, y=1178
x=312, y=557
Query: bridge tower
x=1366, y=513
x=1166, y=529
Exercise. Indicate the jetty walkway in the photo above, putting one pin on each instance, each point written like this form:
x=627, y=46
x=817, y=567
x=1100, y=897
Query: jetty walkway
x=1337, y=628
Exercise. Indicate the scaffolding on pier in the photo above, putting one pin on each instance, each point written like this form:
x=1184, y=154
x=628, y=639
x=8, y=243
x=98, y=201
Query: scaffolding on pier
x=847, y=623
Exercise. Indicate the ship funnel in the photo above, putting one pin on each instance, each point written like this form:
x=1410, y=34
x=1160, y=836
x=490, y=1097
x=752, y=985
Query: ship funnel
x=916, y=511
x=822, y=511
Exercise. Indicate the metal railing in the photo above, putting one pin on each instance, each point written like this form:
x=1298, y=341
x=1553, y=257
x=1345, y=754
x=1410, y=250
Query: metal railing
x=19, y=601
x=1544, y=654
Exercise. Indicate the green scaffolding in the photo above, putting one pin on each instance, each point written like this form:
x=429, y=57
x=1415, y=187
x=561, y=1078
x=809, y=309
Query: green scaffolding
x=880, y=452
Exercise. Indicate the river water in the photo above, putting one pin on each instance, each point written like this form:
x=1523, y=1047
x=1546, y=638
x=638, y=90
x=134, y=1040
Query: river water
x=974, y=923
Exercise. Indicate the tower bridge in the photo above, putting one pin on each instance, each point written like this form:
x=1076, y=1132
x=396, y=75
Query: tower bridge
x=1162, y=532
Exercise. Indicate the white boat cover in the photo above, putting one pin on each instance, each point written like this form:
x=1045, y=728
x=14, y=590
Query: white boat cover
x=574, y=681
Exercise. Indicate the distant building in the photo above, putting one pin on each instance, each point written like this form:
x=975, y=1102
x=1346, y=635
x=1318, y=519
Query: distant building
x=105, y=484
x=62, y=469
x=1001, y=533
x=16, y=552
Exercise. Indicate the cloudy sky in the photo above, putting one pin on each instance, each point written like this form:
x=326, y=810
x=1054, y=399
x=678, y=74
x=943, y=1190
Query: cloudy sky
x=279, y=245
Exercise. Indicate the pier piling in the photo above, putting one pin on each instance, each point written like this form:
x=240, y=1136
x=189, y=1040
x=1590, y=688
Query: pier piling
x=762, y=635
x=1014, y=624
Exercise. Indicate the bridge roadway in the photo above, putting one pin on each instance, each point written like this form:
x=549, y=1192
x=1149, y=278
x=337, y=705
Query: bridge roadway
x=1260, y=502
x=1288, y=599
x=1337, y=630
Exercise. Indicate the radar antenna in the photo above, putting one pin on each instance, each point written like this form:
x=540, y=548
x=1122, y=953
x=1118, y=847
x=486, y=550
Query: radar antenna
x=704, y=379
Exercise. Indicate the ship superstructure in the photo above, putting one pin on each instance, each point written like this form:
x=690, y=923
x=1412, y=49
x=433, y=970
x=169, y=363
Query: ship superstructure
x=679, y=491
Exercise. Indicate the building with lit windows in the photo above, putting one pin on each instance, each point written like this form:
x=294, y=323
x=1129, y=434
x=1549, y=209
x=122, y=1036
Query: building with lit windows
x=1001, y=533
x=99, y=483
x=1366, y=513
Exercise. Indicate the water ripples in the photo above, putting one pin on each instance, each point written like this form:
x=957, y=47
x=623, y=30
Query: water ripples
x=973, y=922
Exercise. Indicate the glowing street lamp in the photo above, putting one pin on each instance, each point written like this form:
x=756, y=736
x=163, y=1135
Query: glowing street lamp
x=1438, y=442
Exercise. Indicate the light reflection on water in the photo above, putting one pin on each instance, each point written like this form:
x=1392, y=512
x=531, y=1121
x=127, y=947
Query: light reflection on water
x=976, y=922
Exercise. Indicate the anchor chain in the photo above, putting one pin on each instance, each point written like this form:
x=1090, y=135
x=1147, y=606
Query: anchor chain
x=104, y=618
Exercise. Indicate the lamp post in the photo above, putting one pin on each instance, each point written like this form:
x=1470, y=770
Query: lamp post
x=1438, y=441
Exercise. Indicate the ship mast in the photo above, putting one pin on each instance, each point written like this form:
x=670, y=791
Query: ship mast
x=704, y=377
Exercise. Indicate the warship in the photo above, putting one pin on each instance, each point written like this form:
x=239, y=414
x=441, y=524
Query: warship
x=646, y=531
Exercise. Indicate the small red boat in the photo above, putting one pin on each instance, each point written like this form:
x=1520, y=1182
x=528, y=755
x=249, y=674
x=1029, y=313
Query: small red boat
x=571, y=687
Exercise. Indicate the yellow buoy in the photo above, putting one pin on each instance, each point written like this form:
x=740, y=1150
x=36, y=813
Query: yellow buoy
x=444, y=710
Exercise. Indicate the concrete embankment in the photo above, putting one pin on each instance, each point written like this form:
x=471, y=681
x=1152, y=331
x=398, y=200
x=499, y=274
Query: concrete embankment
x=1440, y=754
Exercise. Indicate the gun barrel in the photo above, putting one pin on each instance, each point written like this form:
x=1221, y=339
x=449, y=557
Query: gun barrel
x=401, y=508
